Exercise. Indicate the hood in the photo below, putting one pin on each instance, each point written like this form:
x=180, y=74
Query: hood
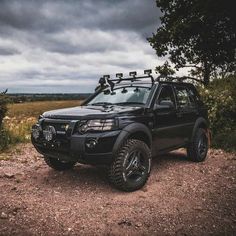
x=94, y=112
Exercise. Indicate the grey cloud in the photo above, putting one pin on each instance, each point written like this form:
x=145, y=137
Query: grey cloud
x=61, y=41
x=52, y=15
x=4, y=51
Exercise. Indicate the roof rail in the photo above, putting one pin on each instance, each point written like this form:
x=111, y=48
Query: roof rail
x=178, y=79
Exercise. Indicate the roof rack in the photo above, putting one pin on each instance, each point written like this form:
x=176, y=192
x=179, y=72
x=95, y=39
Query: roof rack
x=105, y=81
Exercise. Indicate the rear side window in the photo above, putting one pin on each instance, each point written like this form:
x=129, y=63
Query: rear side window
x=184, y=100
x=195, y=96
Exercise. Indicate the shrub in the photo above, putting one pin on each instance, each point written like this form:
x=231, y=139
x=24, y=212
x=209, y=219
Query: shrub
x=4, y=140
x=220, y=98
x=3, y=107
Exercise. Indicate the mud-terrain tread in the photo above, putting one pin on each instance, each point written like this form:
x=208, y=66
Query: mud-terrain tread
x=192, y=152
x=115, y=171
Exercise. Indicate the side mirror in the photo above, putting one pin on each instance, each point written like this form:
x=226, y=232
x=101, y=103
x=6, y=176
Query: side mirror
x=164, y=105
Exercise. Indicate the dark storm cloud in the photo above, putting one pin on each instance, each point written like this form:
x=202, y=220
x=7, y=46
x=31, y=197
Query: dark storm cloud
x=137, y=15
x=52, y=40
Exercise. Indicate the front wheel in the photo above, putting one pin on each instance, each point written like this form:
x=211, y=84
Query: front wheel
x=198, y=148
x=131, y=166
x=57, y=164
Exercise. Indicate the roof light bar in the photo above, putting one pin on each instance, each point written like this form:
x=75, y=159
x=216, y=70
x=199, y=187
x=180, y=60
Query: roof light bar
x=119, y=75
x=133, y=73
x=147, y=72
x=106, y=76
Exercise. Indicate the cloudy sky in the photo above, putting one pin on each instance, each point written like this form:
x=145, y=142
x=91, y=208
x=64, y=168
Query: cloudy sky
x=65, y=46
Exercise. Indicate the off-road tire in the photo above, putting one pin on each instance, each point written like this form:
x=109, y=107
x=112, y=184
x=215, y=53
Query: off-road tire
x=117, y=169
x=57, y=164
x=193, y=147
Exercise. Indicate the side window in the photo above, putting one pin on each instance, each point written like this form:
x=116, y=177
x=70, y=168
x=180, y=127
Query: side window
x=166, y=94
x=183, y=98
x=195, y=96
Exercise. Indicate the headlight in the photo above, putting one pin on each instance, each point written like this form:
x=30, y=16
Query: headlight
x=97, y=125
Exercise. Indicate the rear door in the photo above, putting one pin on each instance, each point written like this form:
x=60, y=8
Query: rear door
x=187, y=111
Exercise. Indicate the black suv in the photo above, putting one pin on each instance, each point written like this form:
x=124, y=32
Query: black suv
x=122, y=125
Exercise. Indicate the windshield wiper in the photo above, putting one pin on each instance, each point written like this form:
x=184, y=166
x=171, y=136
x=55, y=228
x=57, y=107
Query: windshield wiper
x=129, y=103
x=101, y=104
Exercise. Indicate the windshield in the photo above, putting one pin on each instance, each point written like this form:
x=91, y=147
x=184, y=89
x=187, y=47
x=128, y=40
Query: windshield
x=120, y=96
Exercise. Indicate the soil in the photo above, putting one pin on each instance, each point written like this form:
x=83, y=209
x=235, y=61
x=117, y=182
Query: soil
x=180, y=198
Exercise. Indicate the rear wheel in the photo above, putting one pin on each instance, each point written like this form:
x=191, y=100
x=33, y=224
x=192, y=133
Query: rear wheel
x=131, y=167
x=198, y=148
x=57, y=164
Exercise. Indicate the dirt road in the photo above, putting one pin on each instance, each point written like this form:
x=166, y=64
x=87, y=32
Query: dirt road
x=181, y=198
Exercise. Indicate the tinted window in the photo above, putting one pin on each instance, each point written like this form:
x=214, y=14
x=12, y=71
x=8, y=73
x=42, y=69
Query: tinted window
x=195, y=96
x=166, y=94
x=123, y=95
x=183, y=98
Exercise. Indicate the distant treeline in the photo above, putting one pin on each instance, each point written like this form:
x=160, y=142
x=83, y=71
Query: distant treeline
x=31, y=97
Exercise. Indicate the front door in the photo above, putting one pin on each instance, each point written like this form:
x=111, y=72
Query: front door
x=166, y=130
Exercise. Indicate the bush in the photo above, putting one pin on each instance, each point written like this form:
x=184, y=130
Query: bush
x=4, y=136
x=3, y=107
x=220, y=98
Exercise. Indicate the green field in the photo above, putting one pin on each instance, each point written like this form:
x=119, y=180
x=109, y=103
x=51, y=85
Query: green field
x=22, y=116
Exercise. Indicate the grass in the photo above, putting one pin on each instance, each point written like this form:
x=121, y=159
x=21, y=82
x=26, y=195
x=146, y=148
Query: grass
x=34, y=109
x=21, y=117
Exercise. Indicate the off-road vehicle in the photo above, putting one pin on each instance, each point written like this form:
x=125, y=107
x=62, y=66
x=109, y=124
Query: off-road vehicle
x=123, y=125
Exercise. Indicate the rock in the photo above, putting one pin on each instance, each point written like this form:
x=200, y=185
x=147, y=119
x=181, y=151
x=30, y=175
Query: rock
x=3, y=215
x=9, y=175
x=138, y=225
x=125, y=222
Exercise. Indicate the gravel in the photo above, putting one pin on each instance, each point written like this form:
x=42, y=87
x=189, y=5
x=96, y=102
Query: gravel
x=180, y=198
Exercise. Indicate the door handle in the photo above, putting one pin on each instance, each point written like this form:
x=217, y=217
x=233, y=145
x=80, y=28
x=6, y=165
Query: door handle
x=179, y=115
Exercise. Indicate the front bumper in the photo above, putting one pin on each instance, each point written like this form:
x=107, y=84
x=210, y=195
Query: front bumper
x=89, y=148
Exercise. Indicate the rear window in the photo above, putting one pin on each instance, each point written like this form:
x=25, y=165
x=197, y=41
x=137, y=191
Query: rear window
x=184, y=98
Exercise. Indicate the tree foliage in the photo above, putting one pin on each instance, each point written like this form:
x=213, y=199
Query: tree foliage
x=220, y=98
x=199, y=34
x=3, y=106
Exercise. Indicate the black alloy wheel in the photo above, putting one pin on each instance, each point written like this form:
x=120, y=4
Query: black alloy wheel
x=131, y=167
x=198, y=148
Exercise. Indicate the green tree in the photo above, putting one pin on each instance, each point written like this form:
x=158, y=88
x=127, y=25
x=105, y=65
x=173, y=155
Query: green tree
x=3, y=106
x=199, y=34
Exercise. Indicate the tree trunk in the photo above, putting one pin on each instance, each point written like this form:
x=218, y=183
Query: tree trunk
x=206, y=73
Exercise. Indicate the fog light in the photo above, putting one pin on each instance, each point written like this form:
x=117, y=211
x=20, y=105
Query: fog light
x=91, y=143
x=49, y=132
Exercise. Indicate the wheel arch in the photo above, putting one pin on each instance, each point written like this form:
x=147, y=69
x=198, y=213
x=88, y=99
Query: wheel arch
x=200, y=123
x=134, y=131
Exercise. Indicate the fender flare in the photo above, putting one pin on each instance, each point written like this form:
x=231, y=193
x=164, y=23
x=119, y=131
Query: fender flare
x=200, y=121
x=129, y=130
